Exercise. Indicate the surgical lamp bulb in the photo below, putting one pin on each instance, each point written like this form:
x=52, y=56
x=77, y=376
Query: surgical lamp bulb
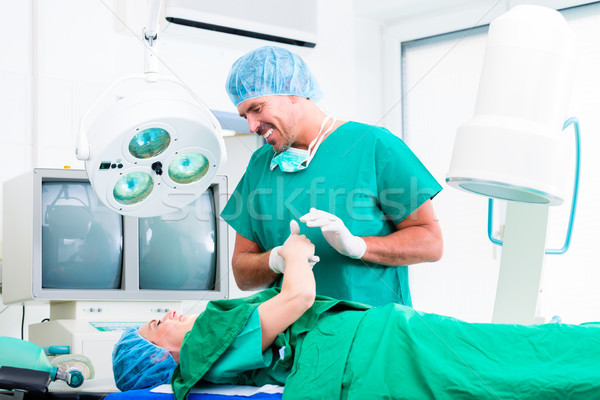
x=149, y=143
x=188, y=167
x=133, y=188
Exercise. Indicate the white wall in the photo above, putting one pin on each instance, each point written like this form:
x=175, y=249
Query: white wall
x=57, y=56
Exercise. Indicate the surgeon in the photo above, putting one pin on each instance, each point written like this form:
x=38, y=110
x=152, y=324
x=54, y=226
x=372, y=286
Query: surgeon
x=322, y=348
x=362, y=196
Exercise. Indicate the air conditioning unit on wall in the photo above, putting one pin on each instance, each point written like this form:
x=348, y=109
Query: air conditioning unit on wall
x=292, y=22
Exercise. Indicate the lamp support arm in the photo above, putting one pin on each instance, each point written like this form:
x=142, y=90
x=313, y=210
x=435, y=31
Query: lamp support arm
x=151, y=38
x=150, y=32
x=521, y=267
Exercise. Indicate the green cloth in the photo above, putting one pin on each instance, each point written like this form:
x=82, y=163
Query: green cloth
x=342, y=350
x=399, y=353
x=217, y=328
x=363, y=174
x=244, y=353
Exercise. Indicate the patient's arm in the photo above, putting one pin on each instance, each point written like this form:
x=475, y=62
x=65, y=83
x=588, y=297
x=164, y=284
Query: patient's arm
x=297, y=290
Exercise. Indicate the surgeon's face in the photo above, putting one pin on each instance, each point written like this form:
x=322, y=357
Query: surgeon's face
x=271, y=117
x=169, y=331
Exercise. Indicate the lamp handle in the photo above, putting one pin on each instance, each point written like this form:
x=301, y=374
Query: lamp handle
x=571, y=121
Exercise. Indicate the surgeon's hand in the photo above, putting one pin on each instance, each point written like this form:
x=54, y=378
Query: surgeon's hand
x=336, y=233
x=277, y=263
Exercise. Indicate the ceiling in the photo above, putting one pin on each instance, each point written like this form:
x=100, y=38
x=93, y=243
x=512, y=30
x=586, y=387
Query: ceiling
x=389, y=11
x=392, y=11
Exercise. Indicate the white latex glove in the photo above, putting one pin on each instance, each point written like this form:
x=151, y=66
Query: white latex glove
x=336, y=233
x=277, y=263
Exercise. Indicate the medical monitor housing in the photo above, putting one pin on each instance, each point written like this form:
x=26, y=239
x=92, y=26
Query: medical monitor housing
x=62, y=244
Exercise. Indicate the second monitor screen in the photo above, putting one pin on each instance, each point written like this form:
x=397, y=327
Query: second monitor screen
x=178, y=251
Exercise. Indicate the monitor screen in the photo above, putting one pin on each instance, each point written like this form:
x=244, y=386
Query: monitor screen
x=82, y=240
x=178, y=252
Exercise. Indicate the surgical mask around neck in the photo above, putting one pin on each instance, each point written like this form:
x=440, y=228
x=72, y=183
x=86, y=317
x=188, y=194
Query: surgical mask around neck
x=293, y=159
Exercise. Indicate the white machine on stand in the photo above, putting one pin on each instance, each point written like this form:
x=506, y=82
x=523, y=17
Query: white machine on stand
x=514, y=148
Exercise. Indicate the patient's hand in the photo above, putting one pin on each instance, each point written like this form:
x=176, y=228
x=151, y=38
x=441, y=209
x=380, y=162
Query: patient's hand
x=276, y=260
x=297, y=246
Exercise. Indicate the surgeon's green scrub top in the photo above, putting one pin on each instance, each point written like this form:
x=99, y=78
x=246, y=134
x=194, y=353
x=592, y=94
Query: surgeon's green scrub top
x=363, y=174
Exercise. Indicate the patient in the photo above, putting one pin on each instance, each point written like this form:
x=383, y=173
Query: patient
x=329, y=349
x=146, y=356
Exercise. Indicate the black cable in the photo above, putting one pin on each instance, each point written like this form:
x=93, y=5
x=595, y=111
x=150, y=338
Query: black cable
x=23, y=323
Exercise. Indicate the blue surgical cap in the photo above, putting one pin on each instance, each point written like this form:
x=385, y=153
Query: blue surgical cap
x=139, y=364
x=271, y=70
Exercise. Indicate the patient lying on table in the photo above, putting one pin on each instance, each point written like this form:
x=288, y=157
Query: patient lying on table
x=319, y=347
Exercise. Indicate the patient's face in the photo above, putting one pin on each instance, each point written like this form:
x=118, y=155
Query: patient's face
x=169, y=331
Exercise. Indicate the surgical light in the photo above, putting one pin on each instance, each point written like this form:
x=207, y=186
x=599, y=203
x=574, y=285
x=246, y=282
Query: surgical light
x=514, y=147
x=149, y=144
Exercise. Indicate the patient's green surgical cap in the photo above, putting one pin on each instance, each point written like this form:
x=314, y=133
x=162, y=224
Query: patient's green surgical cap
x=139, y=364
x=271, y=70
